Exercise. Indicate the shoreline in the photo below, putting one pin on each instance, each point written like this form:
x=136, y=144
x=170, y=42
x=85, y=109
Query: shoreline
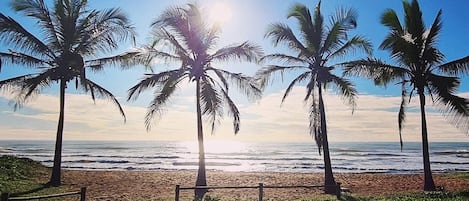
x=259, y=172
x=160, y=185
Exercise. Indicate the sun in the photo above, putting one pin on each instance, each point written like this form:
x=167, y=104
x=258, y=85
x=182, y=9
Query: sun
x=220, y=13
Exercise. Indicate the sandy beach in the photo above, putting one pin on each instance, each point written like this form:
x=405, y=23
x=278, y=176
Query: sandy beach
x=160, y=185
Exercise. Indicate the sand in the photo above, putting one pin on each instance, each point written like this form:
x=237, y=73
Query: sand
x=160, y=185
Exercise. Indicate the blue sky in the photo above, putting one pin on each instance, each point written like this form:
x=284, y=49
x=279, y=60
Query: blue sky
x=374, y=120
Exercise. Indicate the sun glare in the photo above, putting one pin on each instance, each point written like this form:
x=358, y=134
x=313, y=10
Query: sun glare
x=220, y=13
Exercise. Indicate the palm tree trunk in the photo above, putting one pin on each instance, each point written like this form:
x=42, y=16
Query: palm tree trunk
x=201, y=177
x=56, y=169
x=429, y=185
x=329, y=181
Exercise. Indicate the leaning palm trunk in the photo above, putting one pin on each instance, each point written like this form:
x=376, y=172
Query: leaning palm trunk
x=56, y=169
x=201, y=176
x=429, y=184
x=329, y=181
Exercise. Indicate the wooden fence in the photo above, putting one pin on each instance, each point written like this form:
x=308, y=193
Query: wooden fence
x=82, y=193
x=261, y=188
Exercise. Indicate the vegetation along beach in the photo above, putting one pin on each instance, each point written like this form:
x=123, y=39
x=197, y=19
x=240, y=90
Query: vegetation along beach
x=234, y=100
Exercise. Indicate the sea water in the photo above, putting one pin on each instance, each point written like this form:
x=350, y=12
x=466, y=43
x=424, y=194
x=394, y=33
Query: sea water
x=347, y=157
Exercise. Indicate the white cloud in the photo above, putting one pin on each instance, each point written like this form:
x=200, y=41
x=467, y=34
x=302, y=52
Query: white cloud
x=375, y=119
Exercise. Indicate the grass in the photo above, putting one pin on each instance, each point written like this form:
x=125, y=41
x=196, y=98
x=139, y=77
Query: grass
x=25, y=177
x=17, y=174
x=433, y=196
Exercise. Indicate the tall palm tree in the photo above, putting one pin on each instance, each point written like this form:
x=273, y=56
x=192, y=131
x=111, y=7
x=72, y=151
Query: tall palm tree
x=413, y=48
x=180, y=35
x=71, y=32
x=316, y=45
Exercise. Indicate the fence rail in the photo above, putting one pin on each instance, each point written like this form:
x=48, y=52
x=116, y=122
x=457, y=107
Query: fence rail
x=261, y=188
x=82, y=193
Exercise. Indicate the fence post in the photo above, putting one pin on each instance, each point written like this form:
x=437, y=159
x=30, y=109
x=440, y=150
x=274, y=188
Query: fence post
x=5, y=196
x=176, y=197
x=261, y=191
x=338, y=190
x=83, y=194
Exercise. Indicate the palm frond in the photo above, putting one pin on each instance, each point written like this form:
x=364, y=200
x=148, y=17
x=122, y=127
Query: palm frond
x=294, y=82
x=335, y=36
x=175, y=19
x=233, y=111
x=35, y=83
x=211, y=101
x=281, y=33
x=247, y=85
x=315, y=122
x=224, y=82
x=456, y=67
x=98, y=91
x=347, y=17
x=66, y=17
x=311, y=27
x=243, y=52
x=26, y=87
x=343, y=21
x=16, y=87
x=402, y=48
x=186, y=24
x=301, y=13
x=211, y=37
x=14, y=83
x=401, y=117
x=357, y=42
x=169, y=41
x=316, y=37
x=456, y=108
x=264, y=76
x=287, y=59
x=14, y=35
x=431, y=54
x=347, y=90
x=413, y=21
x=389, y=18
x=101, y=31
x=311, y=87
x=39, y=10
x=20, y=59
x=124, y=60
x=399, y=41
x=152, y=80
x=162, y=96
x=375, y=69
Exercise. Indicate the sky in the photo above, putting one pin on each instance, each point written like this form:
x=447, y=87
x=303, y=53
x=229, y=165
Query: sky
x=375, y=118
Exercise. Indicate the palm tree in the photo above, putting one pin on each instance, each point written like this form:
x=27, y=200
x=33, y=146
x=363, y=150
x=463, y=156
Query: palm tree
x=180, y=35
x=71, y=33
x=315, y=46
x=413, y=47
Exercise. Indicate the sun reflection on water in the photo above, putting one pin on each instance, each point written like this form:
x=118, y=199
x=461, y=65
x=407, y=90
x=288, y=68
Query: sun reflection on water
x=220, y=154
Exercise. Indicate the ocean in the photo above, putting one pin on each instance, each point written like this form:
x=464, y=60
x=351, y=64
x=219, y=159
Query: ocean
x=347, y=157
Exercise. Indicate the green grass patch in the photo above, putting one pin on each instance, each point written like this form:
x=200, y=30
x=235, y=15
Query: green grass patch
x=25, y=177
x=428, y=196
x=19, y=174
